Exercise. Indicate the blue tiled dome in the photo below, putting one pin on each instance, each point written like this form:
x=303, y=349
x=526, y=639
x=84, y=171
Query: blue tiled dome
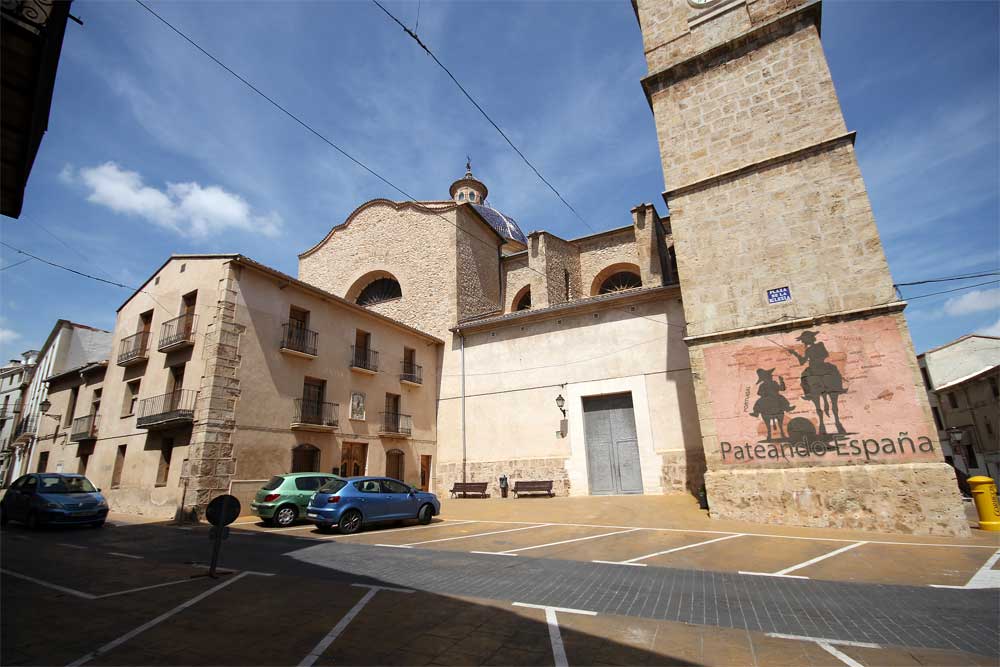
x=505, y=225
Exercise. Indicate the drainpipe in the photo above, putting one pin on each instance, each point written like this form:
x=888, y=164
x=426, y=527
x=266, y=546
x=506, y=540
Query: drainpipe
x=462, y=337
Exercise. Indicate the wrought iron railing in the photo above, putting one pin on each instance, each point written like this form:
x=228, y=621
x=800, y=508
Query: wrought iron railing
x=412, y=373
x=10, y=410
x=178, y=330
x=315, y=412
x=363, y=357
x=393, y=422
x=133, y=348
x=297, y=337
x=177, y=406
x=27, y=426
x=84, y=428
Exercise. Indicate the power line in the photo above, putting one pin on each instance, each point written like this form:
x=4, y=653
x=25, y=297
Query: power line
x=967, y=276
x=476, y=104
x=11, y=266
x=948, y=291
x=79, y=254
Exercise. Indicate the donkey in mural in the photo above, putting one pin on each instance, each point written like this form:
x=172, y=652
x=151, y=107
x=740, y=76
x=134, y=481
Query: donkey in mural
x=821, y=381
x=771, y=406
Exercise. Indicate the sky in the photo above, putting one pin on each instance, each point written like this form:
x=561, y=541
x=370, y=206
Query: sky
x=152, y=149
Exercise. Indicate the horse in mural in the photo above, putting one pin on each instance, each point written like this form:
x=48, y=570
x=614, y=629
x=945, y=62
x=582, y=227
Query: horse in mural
x=821, y=381
x=771, y=406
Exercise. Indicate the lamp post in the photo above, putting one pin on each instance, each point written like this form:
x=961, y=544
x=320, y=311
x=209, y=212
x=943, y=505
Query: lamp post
x=560, y=402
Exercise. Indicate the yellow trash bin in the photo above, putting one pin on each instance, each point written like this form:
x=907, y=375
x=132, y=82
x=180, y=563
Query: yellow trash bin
x=984, y=494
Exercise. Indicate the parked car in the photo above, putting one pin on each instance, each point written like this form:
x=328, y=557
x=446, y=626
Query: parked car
x=283, y=500
x=53, y=498
x=352, y=503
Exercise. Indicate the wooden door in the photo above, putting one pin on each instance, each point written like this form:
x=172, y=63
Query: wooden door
x=353, y=457
x=425, y=472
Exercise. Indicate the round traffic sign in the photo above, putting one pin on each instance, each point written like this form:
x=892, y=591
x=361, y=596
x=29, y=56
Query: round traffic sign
x=223, y=510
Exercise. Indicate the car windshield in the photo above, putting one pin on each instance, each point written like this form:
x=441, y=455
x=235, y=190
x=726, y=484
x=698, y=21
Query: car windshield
x=274, y=483
x=65, y=485
x=333, y=486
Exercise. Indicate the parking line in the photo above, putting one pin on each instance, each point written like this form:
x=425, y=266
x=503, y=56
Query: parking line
x=784, y=573
x=828, y=646
x=46, y=584
x=616, y=562
x=71, y=546
x=341, y=625
x=985, y=577
x=675, y=549
x=439, y=524
x=555, y=637
x=121, y=555
x=578, y=539
x=144, y=588
x=465, y=537
x=394, y=546
x=489, y=553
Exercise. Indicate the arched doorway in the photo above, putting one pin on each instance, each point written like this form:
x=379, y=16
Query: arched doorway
x=394, y=464
x=305, y=458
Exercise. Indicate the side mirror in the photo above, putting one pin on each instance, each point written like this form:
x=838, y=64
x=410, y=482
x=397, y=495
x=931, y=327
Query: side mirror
x=99, y=489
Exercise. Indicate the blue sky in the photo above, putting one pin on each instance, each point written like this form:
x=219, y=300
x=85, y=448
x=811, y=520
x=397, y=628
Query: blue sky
x=152, y=149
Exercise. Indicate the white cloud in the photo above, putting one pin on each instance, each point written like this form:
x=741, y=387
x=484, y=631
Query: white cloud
x=973, y=302
x=67, y=174
x=8, y=335
x=991, y=330
x=189, y=209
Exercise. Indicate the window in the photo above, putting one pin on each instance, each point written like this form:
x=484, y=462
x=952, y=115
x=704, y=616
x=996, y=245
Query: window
x=461, y=196
x=524, y=300
x=368, y=486
x=43, y=462
x=377, y=291
x=310, y=483
x=952, y=400
x=394, y=465
x=116, y=475
x=177, y=378
x=74, y=394
x=83, y=452
x=472, y=196
x=95, y=401
x=131, y=398
x=937, y=418
x=166, y=451
x=619, y=282
x=298, y=318
x=392, y=486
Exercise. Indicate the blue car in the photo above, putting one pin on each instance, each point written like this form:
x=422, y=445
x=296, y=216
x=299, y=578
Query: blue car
x=356, y=501
x=53, y=498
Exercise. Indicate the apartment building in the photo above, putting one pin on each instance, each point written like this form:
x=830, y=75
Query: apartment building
x=225, y=372
x=15, y=377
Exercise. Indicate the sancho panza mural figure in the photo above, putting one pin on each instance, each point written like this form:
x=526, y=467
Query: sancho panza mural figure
x=821, y=381
x=771, y=406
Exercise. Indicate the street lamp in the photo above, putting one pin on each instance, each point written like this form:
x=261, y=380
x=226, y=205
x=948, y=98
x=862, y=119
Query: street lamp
x=45, y=406
x=955, y=435
x=560, y=402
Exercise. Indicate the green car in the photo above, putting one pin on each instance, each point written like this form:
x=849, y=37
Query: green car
x=285, y=497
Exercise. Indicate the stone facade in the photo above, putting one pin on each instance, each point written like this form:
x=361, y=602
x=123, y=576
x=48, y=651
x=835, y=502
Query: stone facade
x=516, y=469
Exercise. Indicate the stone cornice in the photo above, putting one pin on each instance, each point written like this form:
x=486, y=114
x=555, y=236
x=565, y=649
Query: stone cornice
x=798, y=323
x=738, y=47
x=760, y=165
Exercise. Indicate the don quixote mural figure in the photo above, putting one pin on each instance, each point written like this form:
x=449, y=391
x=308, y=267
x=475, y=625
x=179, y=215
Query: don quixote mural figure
x=821, y=381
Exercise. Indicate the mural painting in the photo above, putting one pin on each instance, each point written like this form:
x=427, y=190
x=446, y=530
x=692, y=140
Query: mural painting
x=841, y=393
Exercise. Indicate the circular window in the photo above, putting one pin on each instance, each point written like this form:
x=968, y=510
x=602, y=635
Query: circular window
x=620, y=282
x=472, y=196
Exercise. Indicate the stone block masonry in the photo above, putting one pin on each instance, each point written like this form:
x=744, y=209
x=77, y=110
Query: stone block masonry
x=516, y=470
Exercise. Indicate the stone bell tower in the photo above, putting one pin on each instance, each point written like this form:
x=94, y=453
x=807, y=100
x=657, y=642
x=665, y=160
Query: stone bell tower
x=809, y=395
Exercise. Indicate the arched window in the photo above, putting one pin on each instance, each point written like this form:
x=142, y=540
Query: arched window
x=305, y=458
x=523, y=299
x=383, y=289
x=620, y=282
x=394, y=467
x=461, y=196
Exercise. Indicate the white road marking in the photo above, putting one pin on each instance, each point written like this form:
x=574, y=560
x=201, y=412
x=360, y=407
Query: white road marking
x=828, y=646
x=780, y=537
x=121, y=555
x=71, y=546
x=686, y=546
x=578, y=539
x=394, y=546
x=615, y=562
x=555, y=637
x=144, y=588
x=490, y=553
x=114, y=643
x=985, y=577
x=46, y=584
x=440, y=524
x=283, y=530
x=784, y=573
x=466, y=537
x=331, y=636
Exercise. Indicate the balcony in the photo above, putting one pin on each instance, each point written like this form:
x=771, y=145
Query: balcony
x=167, y=410
x=298, y=341
x=26, y=428
x=11, y=410
x=364, y=360
x=134, y=349
x=315, y=416
x=177, y=333
x=84, y=428
x=412, y=374
x=395, y=425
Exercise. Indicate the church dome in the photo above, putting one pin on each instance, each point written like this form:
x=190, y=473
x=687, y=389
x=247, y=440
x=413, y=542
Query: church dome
x=505, y=225
x=470, y=190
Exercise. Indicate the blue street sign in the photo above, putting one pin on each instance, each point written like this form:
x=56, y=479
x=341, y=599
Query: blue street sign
x=779, y=295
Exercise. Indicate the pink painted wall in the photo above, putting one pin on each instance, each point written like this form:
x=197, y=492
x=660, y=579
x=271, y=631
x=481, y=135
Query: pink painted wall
x=860, y=370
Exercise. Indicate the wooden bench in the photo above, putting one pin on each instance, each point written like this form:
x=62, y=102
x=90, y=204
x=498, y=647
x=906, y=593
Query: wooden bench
x=534, y=487
x=478, y=488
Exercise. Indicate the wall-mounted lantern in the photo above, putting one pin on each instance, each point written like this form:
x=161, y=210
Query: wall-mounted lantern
x=560, y=402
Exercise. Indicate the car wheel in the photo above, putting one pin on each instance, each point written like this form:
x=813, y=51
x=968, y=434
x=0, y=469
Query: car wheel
x=285, y=515
x=97, y=524
x=425, y=514
x=350, y=522
x=32, y=521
